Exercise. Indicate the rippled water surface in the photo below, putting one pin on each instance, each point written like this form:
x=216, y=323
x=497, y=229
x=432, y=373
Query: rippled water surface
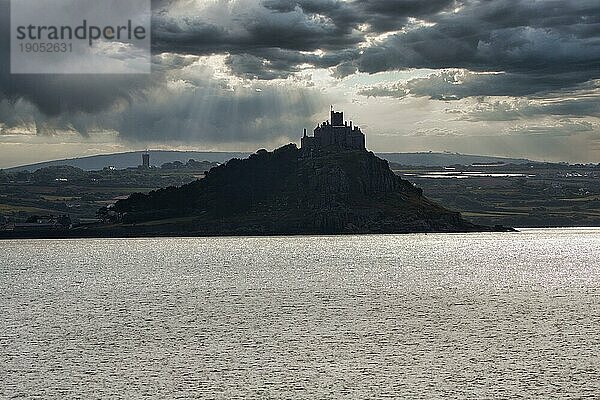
x=512, y=315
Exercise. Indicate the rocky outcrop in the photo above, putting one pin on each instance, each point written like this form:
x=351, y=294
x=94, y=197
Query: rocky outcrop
x=284, y=192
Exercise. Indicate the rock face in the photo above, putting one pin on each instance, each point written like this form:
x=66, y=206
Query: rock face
x=284, y=192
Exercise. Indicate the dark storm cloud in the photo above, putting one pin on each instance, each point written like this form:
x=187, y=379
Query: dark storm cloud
x=379, y=15
x=545, y=44
x=248, y=29
x=459, y=84
x=279, y=33
x=276, y=63
x=57, y=94
x=583, y=102
x=521, y=97
x=520, y=49
x=252, y=67
x=54, y=95
x=287, y=26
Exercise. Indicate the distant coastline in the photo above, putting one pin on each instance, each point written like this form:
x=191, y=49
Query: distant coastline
x=131, y=159
x=131, y=232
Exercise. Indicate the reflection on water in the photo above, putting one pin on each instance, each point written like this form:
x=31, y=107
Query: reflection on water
x=465, y=174
x=436, y=316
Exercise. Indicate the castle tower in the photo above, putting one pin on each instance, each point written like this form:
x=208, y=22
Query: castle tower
x=337, y=118
x=334, y=134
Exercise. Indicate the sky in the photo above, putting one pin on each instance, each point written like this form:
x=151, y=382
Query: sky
x=518, y=78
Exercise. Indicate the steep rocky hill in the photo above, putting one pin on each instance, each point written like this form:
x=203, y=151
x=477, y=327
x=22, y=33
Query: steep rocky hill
x=282, y=192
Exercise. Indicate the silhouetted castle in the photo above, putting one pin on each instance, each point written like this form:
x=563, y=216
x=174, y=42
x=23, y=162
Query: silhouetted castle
x=335, y=134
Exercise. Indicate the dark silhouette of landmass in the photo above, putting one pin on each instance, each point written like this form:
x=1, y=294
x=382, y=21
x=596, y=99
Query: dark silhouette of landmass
x=285, y=191
x=332, y=185
x=527, y=195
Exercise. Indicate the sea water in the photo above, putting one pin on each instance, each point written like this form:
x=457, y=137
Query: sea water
x=457, y=316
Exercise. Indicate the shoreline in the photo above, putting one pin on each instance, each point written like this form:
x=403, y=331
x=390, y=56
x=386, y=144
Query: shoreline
x=113, y=233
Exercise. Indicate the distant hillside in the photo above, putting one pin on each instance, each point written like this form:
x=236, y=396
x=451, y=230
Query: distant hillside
x=133, y=159
x=445, y=159
x=159, y=157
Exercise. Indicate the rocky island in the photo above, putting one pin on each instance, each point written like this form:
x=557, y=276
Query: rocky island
x=331, y=185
